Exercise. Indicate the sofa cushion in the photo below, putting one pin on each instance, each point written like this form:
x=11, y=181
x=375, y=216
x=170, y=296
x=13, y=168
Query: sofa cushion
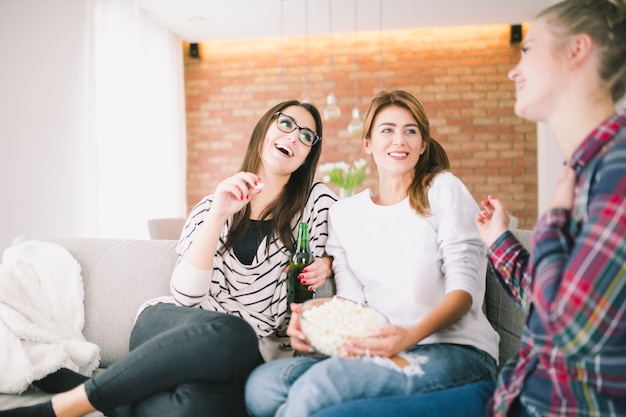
x=505, y=315
x=118, y=277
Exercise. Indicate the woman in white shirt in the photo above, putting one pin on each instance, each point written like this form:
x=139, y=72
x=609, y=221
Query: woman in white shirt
x=413, y=252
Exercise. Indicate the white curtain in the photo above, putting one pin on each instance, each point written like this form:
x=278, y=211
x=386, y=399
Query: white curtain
x=137, y=119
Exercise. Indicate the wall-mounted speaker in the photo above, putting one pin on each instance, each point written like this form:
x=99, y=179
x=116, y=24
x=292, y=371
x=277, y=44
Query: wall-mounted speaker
x=194, y=50
x=516, y=34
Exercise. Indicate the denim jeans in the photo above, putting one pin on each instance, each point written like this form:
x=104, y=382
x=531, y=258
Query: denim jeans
x=469, y=400
x=183, y=362
x=303, y=385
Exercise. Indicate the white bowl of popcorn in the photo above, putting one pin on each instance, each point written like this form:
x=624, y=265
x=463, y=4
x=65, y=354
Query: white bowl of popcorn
x=328, y=323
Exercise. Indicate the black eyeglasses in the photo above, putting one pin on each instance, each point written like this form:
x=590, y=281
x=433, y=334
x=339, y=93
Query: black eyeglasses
x=287, y=124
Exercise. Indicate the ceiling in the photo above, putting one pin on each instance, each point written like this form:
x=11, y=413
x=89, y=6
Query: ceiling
x=207, y=20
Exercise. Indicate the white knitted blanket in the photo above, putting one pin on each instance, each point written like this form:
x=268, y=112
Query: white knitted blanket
x=41, y=316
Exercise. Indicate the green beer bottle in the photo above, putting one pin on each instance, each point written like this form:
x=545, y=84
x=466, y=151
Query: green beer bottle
x=296, y=292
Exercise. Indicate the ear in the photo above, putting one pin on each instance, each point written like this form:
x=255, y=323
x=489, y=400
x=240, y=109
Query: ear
x=578, y=49
x=366, y=145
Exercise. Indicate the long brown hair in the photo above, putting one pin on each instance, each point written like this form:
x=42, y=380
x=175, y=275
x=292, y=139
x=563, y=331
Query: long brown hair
x=292, y=199
x=434, y=159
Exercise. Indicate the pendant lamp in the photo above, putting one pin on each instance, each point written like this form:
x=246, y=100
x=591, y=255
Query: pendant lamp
x=332, y=111
x=355, y=126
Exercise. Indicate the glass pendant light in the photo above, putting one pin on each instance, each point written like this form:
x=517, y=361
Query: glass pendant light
x=331, y=111
x=355, y=126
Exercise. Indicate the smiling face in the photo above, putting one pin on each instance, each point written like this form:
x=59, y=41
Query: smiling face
x=282, y=153
x=395, y=141
x=539, y=77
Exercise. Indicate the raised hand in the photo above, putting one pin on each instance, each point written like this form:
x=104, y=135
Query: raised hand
x=233, y=193
x=493, y=220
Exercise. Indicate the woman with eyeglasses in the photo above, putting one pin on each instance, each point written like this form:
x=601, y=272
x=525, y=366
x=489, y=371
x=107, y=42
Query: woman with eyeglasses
x=191, y=353
x=412, y=251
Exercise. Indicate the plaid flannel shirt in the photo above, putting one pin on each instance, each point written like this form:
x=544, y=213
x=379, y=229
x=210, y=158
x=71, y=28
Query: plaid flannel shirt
x=572, y=360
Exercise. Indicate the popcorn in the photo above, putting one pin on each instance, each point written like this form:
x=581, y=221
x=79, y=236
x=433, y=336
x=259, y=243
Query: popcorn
x=259, y=185
x=329, y=323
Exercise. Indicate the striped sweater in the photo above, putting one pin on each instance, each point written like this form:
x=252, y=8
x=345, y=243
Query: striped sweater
x=255, y=292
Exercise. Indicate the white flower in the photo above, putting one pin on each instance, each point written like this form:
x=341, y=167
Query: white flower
x=358, y=164
x=347, y=177
x=342, y=166
x=327, y=167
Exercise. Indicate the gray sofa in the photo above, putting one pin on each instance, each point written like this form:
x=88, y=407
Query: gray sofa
x=119, y=275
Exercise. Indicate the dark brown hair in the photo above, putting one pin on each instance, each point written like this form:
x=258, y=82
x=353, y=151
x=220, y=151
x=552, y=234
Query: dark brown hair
x=434, y=159
x=293, y=197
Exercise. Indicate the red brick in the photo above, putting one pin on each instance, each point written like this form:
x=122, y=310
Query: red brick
x=459, y=74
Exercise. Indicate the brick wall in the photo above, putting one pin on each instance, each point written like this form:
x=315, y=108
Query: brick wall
x=459, y=74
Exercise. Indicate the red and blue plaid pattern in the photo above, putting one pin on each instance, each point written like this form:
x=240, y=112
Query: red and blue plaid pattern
x=572, y=361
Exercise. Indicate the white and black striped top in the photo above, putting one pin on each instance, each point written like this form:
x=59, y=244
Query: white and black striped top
x=255, y=292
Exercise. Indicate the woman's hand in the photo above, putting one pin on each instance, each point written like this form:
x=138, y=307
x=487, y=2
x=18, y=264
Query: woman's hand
x=492, y=221
x=314, y=275
x=563, y=197
x=385, y=341
x=230, y=196
x=233, y=193
x=298, y=341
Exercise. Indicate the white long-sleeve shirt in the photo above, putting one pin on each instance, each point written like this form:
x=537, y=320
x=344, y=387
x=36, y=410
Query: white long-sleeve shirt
x=403, y=264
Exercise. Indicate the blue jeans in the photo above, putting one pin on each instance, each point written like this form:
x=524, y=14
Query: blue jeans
x=469, y=400
x=303, y=385
x=183, y=362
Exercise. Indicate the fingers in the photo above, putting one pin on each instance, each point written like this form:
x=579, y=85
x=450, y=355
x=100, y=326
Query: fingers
x=383, y=341
x=297, y=339
x=361, y=349
x=301, y=345
x=296, y=308
x=492, y=221
x=483, y=217
x=491, y=204
x=315, y=274
x=241, y=185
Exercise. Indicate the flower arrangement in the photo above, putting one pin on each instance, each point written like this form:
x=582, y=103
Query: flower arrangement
x=346, y=177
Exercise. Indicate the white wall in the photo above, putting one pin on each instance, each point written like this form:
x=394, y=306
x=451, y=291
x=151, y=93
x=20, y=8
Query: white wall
x=42, y=78
x=549, y=166
x=62, y=170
